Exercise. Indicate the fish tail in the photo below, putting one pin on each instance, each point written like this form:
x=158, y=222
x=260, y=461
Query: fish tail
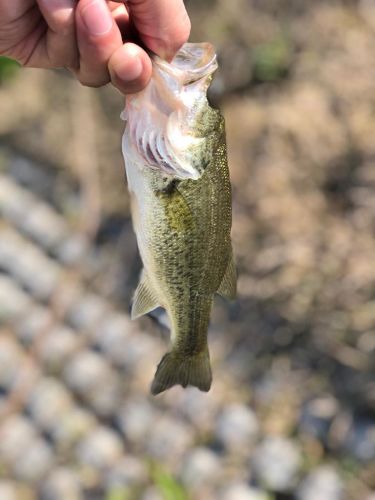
x=178, y=368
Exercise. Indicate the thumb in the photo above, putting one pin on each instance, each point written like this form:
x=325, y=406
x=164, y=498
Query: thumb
x=163, y=25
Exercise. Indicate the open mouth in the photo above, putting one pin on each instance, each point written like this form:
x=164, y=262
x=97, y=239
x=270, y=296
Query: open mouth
x=193, y=62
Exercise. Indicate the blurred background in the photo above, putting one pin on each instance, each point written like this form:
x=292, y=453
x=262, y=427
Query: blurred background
x=291, y=411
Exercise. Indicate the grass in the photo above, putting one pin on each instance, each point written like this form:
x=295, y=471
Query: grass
x=8, y=68
x=271, y=60
x=167, y=485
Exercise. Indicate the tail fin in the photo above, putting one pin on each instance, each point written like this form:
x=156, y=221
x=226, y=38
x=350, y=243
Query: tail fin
x=175, y=368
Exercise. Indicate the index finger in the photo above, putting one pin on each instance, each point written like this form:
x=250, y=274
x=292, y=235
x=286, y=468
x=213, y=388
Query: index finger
x=163, y=25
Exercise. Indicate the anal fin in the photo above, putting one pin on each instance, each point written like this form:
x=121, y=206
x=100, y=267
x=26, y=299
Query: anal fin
x=144, y=299
x=228, y=285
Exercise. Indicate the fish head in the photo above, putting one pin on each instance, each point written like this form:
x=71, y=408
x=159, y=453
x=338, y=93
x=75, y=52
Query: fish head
x=190, y=71
x=168, y=122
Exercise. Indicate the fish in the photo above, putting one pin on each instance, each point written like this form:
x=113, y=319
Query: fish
x=177, y=172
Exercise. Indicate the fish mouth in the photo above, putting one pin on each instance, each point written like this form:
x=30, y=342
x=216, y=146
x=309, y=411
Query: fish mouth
x=163, y=127
x=192, y=62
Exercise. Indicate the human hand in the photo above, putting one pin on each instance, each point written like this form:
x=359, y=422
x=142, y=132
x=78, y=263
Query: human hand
x=93, y=38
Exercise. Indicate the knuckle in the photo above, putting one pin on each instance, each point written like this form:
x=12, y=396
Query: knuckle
x=62, y=25
x=61, y=21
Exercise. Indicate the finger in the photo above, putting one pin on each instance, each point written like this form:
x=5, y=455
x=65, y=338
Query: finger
x=163, y=25
x=130, y=68
x=98, y=38
x=115, y=5
x=121, y=17
x=61, y=47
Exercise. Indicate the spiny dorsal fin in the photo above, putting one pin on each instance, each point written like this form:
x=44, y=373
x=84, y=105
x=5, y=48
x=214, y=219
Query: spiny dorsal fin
x=228, y=286
x=144, y=299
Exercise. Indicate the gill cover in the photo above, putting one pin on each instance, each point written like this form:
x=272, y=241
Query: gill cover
x=161, y=119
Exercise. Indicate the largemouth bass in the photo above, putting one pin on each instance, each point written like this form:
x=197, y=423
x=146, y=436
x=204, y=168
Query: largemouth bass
x=176, y=164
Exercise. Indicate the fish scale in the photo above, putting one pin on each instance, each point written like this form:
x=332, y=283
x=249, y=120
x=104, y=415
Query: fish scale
x=182, y=219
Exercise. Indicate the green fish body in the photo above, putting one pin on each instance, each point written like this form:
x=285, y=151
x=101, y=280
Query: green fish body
x=176, y=163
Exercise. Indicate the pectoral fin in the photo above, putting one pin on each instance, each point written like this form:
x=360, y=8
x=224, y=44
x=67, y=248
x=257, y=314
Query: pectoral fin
x=144, y=299
x=228, y=286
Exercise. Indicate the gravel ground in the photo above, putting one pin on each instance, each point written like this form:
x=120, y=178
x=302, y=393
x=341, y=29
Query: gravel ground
x=291, y=414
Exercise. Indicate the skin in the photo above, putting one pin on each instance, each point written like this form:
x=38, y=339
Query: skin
x=99, y=41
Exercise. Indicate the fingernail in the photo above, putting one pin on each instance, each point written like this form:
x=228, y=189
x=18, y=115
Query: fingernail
x=97, y=18
x=130, y=71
